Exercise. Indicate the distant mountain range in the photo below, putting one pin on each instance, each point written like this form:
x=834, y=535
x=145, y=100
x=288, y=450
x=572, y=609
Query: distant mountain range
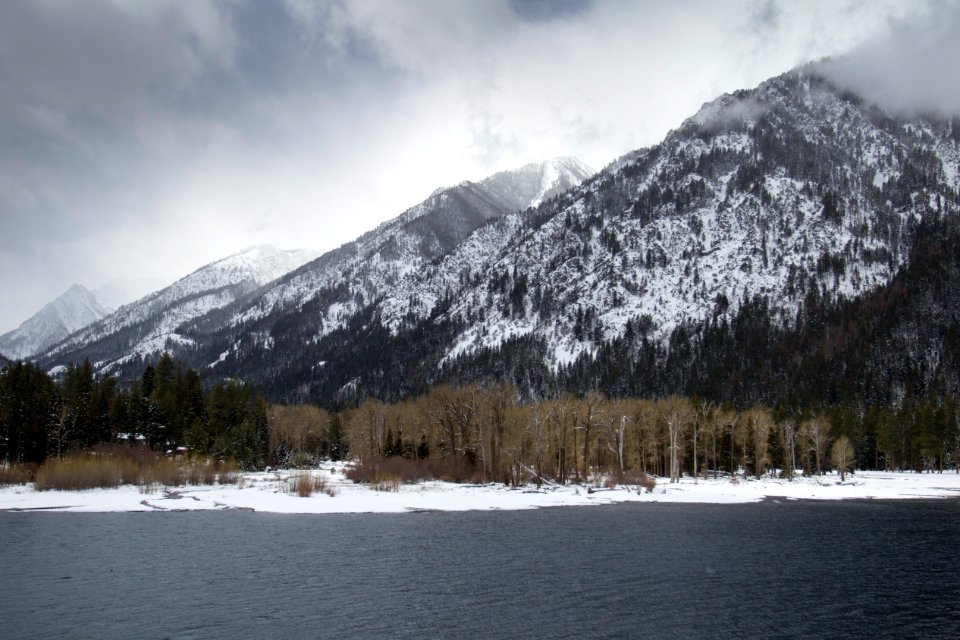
x=227, y=295
x=74, y=309
x=148, y=326
x=769, y=208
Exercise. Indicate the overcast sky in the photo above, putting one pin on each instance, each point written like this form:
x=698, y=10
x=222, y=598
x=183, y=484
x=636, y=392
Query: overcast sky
x=142, y=139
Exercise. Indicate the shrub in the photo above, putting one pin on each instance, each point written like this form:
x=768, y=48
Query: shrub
x=306, y=484
x=196, y=471
x=388, y=474
x=648, y=482
x=640, y=479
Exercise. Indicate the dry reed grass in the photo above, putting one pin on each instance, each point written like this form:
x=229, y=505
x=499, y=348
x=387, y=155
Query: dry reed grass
x=16, y=473
x=76, y=473
x=648, y=482
x=110, y=466
x=197, y=471
x=305, y=484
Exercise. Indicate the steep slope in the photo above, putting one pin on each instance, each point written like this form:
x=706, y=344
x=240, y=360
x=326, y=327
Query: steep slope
x=320, y=296
x=72, y=310
x=773, y=192
x=794, y=188
x=149, y=326
x=897, y=344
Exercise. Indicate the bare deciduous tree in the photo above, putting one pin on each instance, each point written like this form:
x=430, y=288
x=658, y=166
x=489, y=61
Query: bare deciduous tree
x=788, y=430
x=677, y=414
x=760, y=423
x=843, y=456
x=816, y=432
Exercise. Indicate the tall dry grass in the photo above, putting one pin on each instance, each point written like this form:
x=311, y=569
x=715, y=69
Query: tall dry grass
x=634, y=477
x=305, y=484
x=206, y=471
x=16, y=473
x=110, y=466
x=76, y=473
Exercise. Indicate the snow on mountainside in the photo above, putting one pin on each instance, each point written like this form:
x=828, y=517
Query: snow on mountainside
x=342, y=281
x=73, y=310
x=149, y=325
x=795, y=191
x=792, y=187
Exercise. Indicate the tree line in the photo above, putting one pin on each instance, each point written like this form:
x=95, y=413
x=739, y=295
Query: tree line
x=470, y=431
x=487, y=433
x=168, y=409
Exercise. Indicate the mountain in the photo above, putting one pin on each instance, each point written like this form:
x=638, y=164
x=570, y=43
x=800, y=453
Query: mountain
x=321, y=296
x=776, y=191
x=124, y=290
x=149, y=326
x=358, y=272
x=738, y=242
x=797, y=190
x=228, y=293
x=72, y=310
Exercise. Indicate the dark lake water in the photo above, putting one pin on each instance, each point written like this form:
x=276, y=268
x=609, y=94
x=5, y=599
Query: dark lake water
x=771, y=570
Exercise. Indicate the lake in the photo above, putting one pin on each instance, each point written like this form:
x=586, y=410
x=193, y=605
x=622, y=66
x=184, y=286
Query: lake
x=855, y=569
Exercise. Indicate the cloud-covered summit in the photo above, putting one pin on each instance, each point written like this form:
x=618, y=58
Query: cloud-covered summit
x=912, y=68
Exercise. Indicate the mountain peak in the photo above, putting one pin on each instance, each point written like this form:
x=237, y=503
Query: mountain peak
x=72, y=310
x=149, y=325
x=77, y=289
x=535, y=182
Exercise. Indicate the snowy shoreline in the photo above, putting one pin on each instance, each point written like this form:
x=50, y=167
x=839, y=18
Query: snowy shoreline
x=268, y=492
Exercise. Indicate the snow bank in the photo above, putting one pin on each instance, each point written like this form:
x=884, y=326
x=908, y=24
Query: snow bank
x=267, y=492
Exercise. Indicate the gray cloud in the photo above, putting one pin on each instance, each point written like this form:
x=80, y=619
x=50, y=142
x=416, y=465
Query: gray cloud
x=77, y=83
x=546, y=10
x=912, y=67
x=144, y=139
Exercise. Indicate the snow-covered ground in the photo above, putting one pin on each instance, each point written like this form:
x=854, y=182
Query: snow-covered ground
x=268, y=492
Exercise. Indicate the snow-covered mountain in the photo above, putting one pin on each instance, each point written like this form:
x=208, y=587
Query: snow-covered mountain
x=334, y=287
x=794, y=189
x=149, y=325
x=795, y=192
x=71, y=311
x=228, y=293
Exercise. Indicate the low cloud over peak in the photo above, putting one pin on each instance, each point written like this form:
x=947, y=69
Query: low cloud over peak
x=914, y=67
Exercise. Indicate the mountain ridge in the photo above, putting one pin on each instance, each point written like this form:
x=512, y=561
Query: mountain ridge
x=794, y=193
x=794, y=186
x=148, y=325
x=379, y=257
x=72, y=310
